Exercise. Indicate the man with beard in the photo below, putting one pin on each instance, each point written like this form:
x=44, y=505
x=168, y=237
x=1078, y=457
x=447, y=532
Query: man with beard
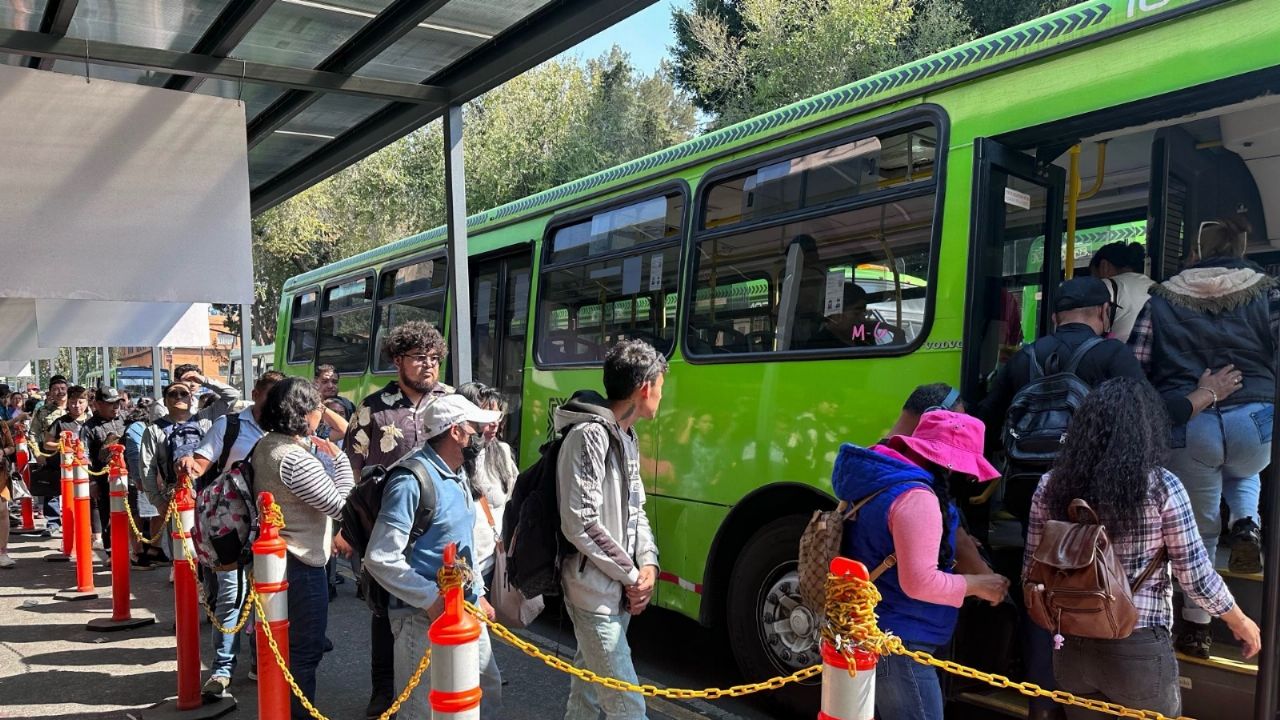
x=386, y=427
x=104, y=429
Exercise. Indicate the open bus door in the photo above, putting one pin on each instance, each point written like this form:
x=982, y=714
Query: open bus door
x=1015, y=258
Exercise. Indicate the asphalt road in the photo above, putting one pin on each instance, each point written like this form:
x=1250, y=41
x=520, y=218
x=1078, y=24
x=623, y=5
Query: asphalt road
x=52, y=667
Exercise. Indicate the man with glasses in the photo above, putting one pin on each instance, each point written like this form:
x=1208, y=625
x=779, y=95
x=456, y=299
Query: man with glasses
x=166, y=441
x=226, y=395
x=386, y=427
x=46, y=476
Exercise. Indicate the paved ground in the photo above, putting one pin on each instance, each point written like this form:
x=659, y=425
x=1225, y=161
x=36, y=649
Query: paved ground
x=52, y=667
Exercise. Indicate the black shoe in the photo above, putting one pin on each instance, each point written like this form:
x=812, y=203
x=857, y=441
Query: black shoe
x=333, y=593
x=378, y=704
x=1194, y=640
x=1246, y=547
x=328, y=645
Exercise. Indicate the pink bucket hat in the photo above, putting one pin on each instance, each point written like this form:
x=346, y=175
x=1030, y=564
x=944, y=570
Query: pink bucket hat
x=951, y=440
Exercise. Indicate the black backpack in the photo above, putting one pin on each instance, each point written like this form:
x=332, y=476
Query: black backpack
x=1036, y=425
x=531, y=527
x=361, y=512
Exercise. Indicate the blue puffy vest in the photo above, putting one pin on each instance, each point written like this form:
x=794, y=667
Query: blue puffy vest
x=858, y=473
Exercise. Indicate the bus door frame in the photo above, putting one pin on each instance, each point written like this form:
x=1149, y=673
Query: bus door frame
x=500, y=261
x=994, y=162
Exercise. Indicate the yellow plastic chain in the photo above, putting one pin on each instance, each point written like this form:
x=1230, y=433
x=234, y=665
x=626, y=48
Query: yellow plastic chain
x=302, y=697
x=851, y=623
x=647, y=690
x=137, y=532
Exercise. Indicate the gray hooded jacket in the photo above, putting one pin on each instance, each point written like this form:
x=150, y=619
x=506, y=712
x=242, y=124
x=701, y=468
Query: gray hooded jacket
x=601, y=506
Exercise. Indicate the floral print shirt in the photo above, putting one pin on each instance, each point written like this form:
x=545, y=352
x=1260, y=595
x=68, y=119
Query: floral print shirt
x=386, y=427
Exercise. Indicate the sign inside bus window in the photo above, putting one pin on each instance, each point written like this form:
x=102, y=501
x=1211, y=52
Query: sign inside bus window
x=1145, y=6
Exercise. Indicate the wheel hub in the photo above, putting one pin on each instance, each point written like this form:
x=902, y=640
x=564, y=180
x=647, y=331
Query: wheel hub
x=790, y=628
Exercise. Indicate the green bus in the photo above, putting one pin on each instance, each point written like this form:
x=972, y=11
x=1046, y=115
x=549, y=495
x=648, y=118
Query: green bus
x=943, y=189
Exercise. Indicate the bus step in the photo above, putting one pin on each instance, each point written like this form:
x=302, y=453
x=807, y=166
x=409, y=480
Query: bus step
x=1223, y=681
x=1004, y=701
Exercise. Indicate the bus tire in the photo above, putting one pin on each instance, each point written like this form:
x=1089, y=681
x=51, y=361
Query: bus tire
x=762, y=588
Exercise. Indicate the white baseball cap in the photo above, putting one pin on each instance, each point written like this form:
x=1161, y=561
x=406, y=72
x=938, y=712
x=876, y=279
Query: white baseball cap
x=444, y=412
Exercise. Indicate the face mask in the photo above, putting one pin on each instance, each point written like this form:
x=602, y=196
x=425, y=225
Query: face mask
x=472, y=449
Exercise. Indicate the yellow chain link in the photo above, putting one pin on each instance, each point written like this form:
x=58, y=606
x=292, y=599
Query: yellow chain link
x=567, y=667
x=137, y=533
x=414, y=679
x=851, y=625
x=35, y=450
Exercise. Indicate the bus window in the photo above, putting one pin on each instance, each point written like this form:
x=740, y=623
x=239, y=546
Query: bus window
x=302, y=327
x=410, y=292
x=345, y=325
x=602, y=276
x=840, y=282
x=823, y=177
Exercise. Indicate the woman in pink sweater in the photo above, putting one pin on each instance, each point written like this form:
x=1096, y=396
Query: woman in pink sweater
x=907, y=530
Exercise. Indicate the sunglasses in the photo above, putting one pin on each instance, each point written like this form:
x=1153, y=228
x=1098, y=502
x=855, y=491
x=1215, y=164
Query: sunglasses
x=178, y=395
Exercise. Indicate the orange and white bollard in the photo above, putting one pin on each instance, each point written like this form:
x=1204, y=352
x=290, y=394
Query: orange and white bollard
x=84, y=589
x=186, y=621
x=848, y=695
x=272, y=587
x=67, y=505
x=455, y=656
x=121, y=617
x=22, y=465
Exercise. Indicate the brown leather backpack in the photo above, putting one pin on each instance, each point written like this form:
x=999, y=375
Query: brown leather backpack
x=1076, y=585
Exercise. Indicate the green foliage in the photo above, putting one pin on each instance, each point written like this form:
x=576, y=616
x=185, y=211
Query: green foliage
x=740, y=58
x=553, y=124
x=990, y=16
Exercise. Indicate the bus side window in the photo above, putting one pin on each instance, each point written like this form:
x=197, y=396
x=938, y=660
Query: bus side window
x=302, y=327
x=346, y=322
x=611, y=277
x=411, y=292
x=853, y=276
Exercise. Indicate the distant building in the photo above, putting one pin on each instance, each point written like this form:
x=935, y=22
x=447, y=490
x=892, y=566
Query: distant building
x=214, y=360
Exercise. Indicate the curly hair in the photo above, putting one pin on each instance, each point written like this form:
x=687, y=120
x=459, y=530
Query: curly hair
x=1115, y=441
x=287, y=406
x=415, y=335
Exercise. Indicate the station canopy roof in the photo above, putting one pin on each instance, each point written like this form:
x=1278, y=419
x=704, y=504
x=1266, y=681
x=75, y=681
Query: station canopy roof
x=324, y=82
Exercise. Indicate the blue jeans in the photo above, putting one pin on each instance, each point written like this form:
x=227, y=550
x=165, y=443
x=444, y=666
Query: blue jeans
x=228, y=600
x=1217, y=456
x=603, y=649
x=411, y=641
x=308, y=621
x=907, y=689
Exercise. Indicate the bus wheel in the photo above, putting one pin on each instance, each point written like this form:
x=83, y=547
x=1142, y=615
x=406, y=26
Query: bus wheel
x=771, y=632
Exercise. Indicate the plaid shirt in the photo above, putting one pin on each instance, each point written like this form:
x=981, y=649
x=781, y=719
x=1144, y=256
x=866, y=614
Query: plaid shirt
x=1168, y=522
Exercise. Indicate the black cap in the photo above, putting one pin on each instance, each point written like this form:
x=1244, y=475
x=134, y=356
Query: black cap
x=108, y=395
x=1082, y=292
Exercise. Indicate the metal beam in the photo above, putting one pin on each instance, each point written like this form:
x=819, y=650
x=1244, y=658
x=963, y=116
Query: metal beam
x=55, y=21
x=223, y=35
x=544, y=35
x=25, y=42
x=380, y=33
x=455, y=197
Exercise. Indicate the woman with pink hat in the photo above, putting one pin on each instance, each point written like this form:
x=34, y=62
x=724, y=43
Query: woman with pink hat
x=905, y=527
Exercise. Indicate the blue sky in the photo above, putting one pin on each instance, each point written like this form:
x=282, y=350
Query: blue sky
x=645, y=36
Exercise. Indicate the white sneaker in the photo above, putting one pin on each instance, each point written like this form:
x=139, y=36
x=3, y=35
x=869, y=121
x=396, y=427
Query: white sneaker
x=97, y=543
x=6, y=562
x=171, y=576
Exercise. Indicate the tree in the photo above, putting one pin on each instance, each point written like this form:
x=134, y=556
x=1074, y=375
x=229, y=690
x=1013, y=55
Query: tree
x=555, y=123
x=991, y=16
x=740, y=58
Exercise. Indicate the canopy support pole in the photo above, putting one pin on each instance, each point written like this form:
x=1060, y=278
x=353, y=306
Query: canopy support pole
x=155, y=373
x=106, y=368
x=75, y=366
x=246, y=352
x=456, y=222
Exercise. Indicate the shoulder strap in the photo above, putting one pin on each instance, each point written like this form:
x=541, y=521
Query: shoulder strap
x=852, y=512
x=889, y=561
x=1035, y=368
x=426, y=495
x=488, y=514
x=229, y=437
x=1156, y=563
x=1079, y=354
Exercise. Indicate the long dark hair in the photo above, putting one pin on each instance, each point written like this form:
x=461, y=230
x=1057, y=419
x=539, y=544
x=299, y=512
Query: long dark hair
x=1115, y=441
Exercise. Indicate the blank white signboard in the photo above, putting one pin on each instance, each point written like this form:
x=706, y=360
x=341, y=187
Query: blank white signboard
x=113, y=191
